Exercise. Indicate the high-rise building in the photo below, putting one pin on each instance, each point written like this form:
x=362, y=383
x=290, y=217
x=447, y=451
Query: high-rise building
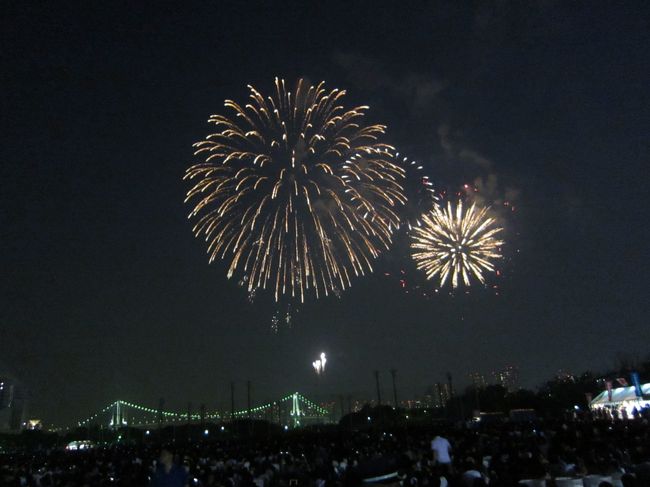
x=508, y=377
x=441, y=394
x=478, y=380
x=12, y=405
x=6, y=391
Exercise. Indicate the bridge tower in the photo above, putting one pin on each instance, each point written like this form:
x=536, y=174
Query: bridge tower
x=295, y=410
x=118, y=416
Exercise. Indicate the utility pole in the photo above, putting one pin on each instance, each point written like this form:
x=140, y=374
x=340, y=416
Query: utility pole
x=217, y=411
x=161, y=404
x=232, y=401
x=248, y=404
x=248, y=398
x=189, y=421
x=378, y=391
x=451, y=395
x=393, y=373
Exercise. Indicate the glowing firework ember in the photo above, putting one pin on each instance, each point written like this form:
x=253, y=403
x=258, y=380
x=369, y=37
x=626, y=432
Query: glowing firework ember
x=295, y=192
x=456, y=244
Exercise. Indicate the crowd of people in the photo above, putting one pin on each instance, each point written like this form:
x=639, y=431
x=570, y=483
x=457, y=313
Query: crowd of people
x=595, y=453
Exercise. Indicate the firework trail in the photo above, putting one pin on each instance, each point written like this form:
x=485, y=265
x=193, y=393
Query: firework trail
x=294, y=192
x=420, y=193
x=456, y=244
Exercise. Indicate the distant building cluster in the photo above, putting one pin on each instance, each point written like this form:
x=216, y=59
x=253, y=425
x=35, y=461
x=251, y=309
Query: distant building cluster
x=478, y=380
x=508, y=377
x=564, y=376
x=438, y=395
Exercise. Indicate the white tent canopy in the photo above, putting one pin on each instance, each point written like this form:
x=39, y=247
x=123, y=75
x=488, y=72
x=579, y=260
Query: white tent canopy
x=622, y=397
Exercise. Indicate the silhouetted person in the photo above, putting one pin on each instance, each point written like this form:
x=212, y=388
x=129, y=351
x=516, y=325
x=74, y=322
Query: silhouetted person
x=168, y=474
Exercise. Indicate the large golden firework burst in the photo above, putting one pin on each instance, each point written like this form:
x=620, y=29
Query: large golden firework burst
x=295, y=192
x=456, y=243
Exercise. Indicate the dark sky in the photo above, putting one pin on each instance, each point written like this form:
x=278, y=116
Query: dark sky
x=106, y=294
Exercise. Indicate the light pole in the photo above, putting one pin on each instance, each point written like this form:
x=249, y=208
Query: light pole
x=378, y=391
x=393, y=373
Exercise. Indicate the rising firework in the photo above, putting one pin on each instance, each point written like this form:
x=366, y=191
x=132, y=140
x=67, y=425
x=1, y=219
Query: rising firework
x=294, y=192
x=319, y=364
x=456, y=243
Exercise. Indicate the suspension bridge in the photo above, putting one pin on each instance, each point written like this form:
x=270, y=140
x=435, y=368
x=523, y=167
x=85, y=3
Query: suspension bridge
x=292, y=410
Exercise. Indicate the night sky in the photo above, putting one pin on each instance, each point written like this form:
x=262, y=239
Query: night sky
x=106, y=294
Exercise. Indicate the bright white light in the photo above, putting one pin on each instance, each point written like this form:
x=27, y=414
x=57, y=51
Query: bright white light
x=286, y=427
x=206, y=432
x=147, y=432
x=319, y=364
x=223, y=428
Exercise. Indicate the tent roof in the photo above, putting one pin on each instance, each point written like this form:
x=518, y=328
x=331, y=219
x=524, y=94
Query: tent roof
x=619, y=394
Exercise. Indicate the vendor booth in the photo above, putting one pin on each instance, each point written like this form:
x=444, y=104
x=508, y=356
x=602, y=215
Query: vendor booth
x=623, y=400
